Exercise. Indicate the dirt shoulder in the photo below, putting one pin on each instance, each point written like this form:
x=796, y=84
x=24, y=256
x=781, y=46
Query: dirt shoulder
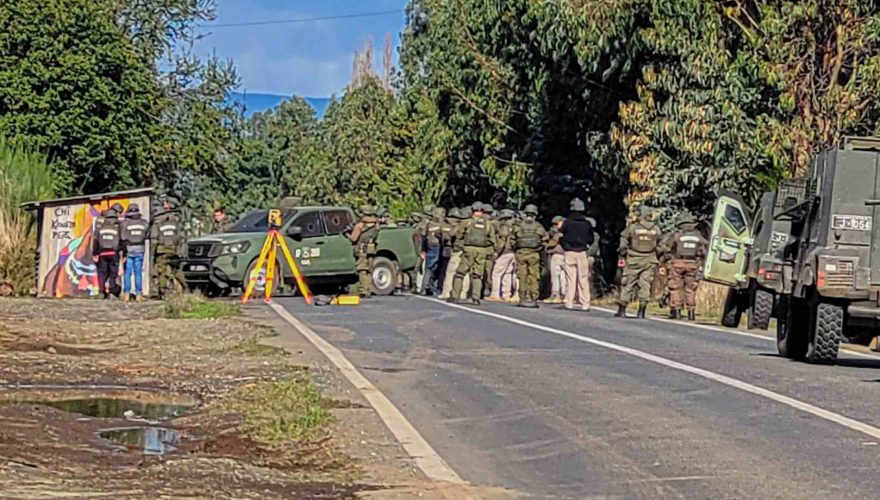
x=248, y=420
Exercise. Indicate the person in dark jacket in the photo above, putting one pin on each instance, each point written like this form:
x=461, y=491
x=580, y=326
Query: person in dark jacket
x=577, y=238
x=105, y=251
x=135, y=233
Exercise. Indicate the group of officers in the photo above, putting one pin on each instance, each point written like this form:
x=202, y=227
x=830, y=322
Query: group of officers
x=120, y=237
x=475, y=253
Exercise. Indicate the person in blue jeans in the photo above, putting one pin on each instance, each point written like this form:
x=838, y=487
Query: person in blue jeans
x=135, y=232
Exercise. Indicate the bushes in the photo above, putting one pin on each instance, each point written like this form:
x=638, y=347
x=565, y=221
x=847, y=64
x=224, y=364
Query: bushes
x=24, y=176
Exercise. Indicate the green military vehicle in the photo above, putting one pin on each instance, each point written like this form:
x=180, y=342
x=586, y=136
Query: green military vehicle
x=807, y=256
x=317, y=237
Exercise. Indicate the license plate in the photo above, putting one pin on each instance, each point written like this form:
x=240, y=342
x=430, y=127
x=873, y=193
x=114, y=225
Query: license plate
x=198, y=268
x=851, y=222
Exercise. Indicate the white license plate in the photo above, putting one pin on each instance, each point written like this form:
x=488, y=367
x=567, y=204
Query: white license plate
x=198, y=268
x=851, y=222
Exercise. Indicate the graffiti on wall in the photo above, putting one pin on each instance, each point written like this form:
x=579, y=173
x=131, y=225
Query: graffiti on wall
x=67, y=266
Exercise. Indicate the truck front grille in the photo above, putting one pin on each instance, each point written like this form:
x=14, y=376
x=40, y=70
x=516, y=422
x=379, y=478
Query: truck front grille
x=198, y=250
x=844, y=277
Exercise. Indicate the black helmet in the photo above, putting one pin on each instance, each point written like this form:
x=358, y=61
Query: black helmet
x=133, y=209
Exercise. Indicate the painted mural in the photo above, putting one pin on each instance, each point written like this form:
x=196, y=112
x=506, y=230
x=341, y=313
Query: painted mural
x=66, y=267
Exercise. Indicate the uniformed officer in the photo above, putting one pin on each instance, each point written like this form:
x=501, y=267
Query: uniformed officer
x=686, y=248
x=424, y=218
x=478, y=236
x=489, y=213
x=364, y=236
x=220, y=222
x=556, y=254
x=105, y=251
x=432, y=246
x=165, y=238
x=456, y=218
x=529, y=238
x=504, y=269
x=134, y=234
x=639, y=245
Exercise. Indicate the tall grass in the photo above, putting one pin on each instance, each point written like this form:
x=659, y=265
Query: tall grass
x=24, y=176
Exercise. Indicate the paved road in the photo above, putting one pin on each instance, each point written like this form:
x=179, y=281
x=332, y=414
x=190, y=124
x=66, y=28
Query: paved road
x=512, y=405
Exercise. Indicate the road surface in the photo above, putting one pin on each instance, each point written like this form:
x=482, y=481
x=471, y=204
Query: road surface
x=617, y=409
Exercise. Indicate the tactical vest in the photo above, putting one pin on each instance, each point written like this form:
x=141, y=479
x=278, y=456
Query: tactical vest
x=477, y=233
x=687, y=245
x=169, y=233
x=108, y=235
x=433, y=233
x=366, y=244
x=134, y=231
x=644, y=239
x=528, y=237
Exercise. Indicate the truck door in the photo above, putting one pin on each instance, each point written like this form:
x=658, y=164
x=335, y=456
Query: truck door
x=729, y=243
x=308, y=246
x=338, y=248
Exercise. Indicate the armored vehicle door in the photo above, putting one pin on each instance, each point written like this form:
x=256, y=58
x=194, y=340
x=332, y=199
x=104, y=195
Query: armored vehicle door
x=729, y=243
x=338, y=249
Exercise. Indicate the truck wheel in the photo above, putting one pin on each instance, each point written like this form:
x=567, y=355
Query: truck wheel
x=791, y=330
x=827, y=330
x=760, y=309
x=260, y=287
x=384, y=276
x=732, y=312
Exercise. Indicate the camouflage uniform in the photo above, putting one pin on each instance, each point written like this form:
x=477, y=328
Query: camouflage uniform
x=638, y=248
x=529, y=238
x=165, y=237
x=478, y=236
x=364, y=236
x=686, y=248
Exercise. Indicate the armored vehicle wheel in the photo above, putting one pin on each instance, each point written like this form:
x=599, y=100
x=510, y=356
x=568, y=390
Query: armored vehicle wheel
x=260, y=287
x=760, y=309
x=792, y=335
x=384, y=276
x=827, y=330
x=732, y=313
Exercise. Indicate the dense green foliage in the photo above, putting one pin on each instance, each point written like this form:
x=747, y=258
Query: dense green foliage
x=662, y=102
x=24, y=176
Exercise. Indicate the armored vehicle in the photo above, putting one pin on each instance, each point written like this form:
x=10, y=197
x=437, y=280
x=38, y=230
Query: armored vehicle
x=808, y=255
x=317, y=236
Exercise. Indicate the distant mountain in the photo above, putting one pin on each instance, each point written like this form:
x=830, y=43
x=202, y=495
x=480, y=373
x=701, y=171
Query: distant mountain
x=255, y=103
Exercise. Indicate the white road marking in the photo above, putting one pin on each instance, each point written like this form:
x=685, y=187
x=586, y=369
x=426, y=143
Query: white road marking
x=836, y=418
x=731, y=331
x=428, y=460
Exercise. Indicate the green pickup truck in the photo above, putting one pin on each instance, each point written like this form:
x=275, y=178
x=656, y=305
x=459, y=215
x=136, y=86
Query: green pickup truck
x=317, y=238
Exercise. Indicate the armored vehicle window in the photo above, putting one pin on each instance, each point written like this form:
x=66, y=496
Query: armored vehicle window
x=310, y=224
x=734, y=217
x=255, y=222
x=337, y=221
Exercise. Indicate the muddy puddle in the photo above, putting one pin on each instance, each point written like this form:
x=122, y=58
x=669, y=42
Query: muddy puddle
x=147, y=440
x=104, y=404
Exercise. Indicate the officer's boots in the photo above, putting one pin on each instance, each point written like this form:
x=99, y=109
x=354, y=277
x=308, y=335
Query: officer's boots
x=674, y=314
x=621, y=311
x=692, y=315
x=642, y=308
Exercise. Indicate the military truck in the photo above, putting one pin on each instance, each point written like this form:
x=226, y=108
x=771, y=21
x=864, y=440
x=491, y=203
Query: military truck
x=317, y=237
x=808, y=255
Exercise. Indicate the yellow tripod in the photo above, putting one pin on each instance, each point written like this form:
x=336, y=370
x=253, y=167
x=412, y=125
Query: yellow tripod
x=268, y=256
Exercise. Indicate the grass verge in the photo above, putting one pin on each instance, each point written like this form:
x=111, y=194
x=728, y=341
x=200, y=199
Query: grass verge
x=195, y=306
x=282, y=411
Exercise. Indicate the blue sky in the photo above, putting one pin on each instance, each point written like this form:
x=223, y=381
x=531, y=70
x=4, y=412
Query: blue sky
x=311, y=59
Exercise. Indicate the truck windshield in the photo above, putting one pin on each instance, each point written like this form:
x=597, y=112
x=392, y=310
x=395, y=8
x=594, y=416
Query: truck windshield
x=255, y=222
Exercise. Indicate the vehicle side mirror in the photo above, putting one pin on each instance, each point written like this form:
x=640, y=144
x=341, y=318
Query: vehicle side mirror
x=295, y=232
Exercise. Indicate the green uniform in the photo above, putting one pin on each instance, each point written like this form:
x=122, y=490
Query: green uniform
x=529, y=237
x=165, y=237
x=477, y=236
x=638, y=246
x=364, y=236
x=685, y=249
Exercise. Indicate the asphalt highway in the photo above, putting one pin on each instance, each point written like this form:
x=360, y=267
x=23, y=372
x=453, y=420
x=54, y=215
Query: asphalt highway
x=559, y=404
